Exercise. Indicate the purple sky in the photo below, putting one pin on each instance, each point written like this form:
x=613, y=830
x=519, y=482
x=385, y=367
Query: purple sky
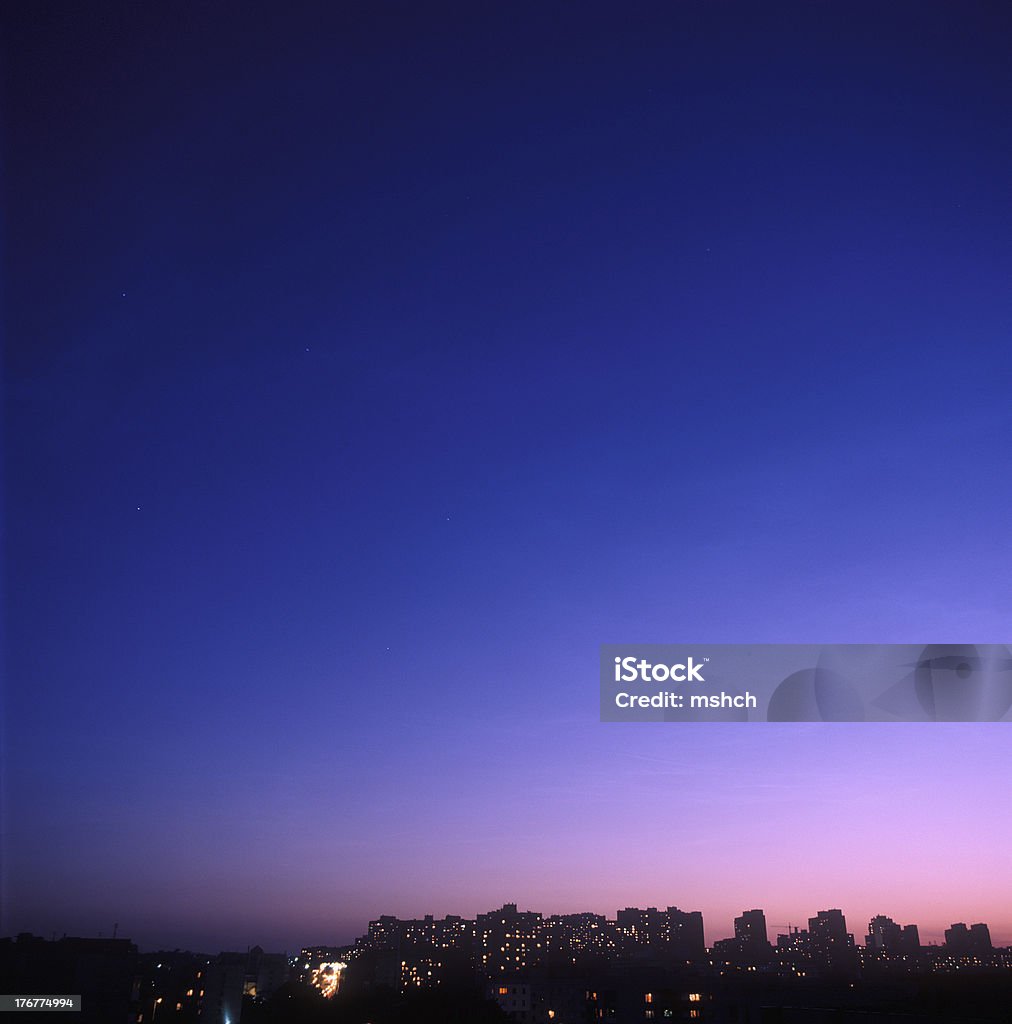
x=368, y=369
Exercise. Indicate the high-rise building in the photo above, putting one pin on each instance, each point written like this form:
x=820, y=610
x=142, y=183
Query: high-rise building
x=683, y=934
x=828, y=938
x=884, y=934
x=911, y=940
x=674, y=931
x=571, y=937
x=750, y=945
x=639, y=927
x=972, y=941
x=750, y=928
x=980, y=938
x=508, y=940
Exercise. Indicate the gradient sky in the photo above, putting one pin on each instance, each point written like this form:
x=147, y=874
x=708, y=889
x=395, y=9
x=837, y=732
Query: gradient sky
x=368, y=366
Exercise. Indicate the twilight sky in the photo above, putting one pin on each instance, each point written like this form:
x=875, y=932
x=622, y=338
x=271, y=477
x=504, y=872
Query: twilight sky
x=368, y=366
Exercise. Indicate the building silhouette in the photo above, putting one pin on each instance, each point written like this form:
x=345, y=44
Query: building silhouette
x=231, y=976
x=508, y=940
x=750, y=946
x=750, y=928
x=887, y=937
x=972, y=941
x=673, y=931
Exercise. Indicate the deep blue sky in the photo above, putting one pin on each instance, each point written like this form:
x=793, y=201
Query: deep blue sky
x=368, y=366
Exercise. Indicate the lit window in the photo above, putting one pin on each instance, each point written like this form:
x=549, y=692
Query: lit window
x=648, y=998
x=695, y=997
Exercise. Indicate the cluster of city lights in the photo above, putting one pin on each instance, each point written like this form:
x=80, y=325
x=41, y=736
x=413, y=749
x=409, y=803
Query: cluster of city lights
x=327, y=978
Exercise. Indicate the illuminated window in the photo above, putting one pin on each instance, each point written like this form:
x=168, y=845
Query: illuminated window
x=695, y=997
x=504, y=991
x=648, y=998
